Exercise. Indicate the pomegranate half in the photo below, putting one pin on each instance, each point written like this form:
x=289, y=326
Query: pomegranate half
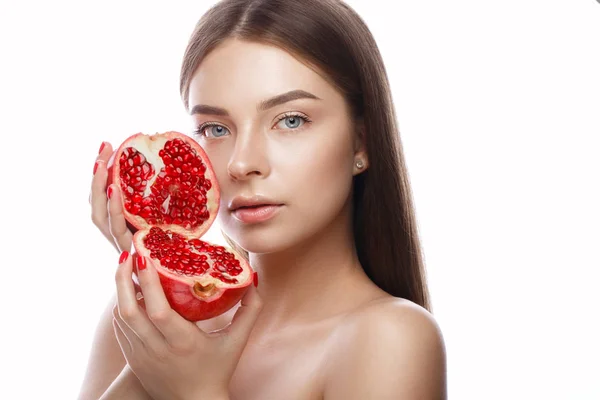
x=170, y=197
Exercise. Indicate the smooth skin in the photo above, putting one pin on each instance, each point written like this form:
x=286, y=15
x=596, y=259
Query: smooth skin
x=316, y=327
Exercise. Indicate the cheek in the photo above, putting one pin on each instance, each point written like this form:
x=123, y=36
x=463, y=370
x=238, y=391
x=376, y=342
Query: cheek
x=218, y=155
x=322, y=180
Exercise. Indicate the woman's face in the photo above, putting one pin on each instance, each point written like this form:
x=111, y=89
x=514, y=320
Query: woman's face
x=269, y=152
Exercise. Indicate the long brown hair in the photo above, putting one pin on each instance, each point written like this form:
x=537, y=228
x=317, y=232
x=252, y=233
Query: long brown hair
x=330, y=35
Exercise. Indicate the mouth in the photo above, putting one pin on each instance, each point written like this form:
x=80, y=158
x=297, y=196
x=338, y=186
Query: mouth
x=256, y=213
x=256, y=206
x=251, y=202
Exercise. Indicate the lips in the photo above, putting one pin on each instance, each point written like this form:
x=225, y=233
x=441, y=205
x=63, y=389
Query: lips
x=253, y=206
x=254, y=209
x=251, y=202
x=254, y=215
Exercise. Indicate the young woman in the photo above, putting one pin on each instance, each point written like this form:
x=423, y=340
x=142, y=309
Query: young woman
x=291, y=102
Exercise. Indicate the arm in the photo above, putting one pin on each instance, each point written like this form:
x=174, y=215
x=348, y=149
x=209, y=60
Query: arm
x=394, y=351
x=106, y=366
x=126, y=386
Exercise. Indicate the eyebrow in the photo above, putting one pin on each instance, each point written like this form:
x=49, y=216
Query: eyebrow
x=262, y=106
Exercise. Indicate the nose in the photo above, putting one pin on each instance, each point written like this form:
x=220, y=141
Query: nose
x=249, y=157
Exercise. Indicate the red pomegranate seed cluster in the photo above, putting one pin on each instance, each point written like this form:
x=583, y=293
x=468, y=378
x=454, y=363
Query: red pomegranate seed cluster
x=191, y=257
x=178, y=194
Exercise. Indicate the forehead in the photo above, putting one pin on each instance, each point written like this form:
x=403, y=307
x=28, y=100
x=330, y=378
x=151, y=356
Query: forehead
x=242, y=71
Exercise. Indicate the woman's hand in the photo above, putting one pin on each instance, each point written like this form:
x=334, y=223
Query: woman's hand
x=107, y=211
x=172, y=357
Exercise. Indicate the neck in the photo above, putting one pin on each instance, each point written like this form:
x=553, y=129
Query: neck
x=312, y=280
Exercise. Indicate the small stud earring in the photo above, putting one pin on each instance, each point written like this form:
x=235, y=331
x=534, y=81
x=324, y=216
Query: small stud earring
x=360, y=164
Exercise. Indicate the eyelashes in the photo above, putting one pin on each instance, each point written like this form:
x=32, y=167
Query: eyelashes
x=200, y=130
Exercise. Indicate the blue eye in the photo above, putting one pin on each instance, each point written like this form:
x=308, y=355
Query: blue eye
x=214, y=131
x=295, y=120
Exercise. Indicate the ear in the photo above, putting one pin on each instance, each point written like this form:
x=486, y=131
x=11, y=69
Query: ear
x=360, y=147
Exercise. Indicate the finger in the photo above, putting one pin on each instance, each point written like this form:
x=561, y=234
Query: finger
x=245, y=317
x=139, y=296
x=116, y=220
x=97, y=198
x=105, y=151
x=103, y=156
x=178, y=332
x=124, y=342
x=129, y=310
x=132, y=337
x=220, y=331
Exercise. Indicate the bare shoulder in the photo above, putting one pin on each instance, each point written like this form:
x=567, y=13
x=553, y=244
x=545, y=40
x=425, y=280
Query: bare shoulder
x=388, y=349
x=393, y=318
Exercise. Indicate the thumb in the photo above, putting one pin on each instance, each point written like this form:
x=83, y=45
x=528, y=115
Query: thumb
x=245, y=317
x=139, y=297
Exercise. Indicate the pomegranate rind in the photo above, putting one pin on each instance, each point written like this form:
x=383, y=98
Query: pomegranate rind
x=148, y=144
x=183, y=300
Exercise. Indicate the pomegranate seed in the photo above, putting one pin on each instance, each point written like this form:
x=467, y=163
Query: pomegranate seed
x=146, y=212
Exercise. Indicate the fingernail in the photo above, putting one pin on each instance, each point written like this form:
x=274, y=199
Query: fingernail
x=141, y=263
x=101, y=147
x=256, y=279
x=109, y=192
x=123, y=257
x=95, y=167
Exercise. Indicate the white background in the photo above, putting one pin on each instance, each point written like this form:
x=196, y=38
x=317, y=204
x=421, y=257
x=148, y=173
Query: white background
x=499, y=110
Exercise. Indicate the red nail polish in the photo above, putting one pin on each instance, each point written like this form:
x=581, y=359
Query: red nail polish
x=95, y=167
x=109, y=192
x=256, y=279
x=101, y=147
x=123, y=257
x=141, y=263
